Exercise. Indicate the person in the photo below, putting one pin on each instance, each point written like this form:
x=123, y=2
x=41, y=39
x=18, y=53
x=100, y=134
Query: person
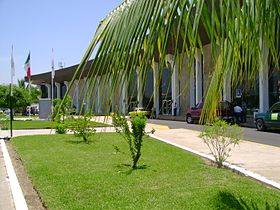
x=244, y=112
x=238, y=112
x=175, y=109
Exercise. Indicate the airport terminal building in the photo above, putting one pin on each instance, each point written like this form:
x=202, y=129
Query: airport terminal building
x=171, y=89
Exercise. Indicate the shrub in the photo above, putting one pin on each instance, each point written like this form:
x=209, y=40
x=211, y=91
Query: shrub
x=61, y=128
x=3, y=122
x=81, y=126
x=134, y=137
x=219, y=138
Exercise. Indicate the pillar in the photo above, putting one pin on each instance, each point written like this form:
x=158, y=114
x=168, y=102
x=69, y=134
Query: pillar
x=88, y=105
x=77, y=96
x=191, y=86
x=174, y=83
x=99, y=95
x=198, y=77
x=67, y=84
x=123, y=101
x=58, y=89
x=139, y=88
x=227, y=87
x=263, y=78
x=39, y=87
x=156, y=89
x=49, y=87
x=113, y=91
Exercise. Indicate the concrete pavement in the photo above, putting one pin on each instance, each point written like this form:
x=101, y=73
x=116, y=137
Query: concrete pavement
x=257, y=158
x=6, y=199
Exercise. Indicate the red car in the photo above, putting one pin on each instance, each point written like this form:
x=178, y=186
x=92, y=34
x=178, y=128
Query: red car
x=225, y=111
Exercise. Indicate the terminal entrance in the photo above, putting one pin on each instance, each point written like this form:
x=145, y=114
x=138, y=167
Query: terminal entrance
x=166, y=107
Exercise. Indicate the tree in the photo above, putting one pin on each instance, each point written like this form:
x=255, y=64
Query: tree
x=34, y=91
x=138, y=31
x=20, y=99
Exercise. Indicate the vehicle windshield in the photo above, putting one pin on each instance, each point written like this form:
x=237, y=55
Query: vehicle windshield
x=275, y=108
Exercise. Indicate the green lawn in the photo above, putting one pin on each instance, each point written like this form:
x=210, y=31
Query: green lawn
x=70, y=174
x=41, y=124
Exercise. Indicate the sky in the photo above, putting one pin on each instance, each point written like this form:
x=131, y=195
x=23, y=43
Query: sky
x=37, y=26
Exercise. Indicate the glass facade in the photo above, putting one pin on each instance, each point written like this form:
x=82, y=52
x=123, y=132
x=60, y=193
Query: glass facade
x=274, y=87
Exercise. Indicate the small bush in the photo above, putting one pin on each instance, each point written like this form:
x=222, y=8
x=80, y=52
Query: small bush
x=134, y=137
x=61, y=128
x=81, y=126
x=219, y=138
x=3, y=122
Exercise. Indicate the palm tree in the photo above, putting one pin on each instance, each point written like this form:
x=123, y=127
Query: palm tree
x=21, y=84
x=139, y=32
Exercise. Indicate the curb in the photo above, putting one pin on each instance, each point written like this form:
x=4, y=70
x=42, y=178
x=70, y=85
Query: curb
x=226, y=164
x=19, y=200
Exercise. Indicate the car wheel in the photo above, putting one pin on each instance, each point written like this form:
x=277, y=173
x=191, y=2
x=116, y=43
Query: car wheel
x=189, y=119
x=260, y=125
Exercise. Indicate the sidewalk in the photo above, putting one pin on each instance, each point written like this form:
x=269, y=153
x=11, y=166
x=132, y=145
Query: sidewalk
x=6, y=199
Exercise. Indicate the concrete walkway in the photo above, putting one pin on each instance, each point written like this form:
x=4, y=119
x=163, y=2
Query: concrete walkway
x=257, y=158
x=6, y=199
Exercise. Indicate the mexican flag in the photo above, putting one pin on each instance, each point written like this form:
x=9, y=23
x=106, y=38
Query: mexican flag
x=27, y=66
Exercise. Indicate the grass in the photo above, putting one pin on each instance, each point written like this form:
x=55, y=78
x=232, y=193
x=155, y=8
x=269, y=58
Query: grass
x=70, y=174
x=40, y=124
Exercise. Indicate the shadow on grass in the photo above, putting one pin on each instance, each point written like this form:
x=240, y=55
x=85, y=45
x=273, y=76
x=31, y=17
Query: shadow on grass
x=226, y=200
x=127, y=169
x=78, y=141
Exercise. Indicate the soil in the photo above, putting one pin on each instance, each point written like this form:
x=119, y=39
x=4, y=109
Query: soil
x=31, y=196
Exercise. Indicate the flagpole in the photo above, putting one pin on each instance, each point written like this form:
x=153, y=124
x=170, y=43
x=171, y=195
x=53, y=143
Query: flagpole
x=11, y=92
x=29, y=90
x=29, y=78
x=52, y=77
x=28, y=72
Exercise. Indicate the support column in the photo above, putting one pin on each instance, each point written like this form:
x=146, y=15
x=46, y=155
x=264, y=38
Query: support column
x=39, y=87
x=96, y=98
x=49, y=87
x=156, y=90
x=174, y=84
x=227, y=87
x=198, y=77
x=113, y=92
x=263, y=78
x=139, y=88
x=67, y=84
x=192, y=85
x=88, y=105
x=99, y=95
x=58, y=89
x=123, y=101
x=77, y=96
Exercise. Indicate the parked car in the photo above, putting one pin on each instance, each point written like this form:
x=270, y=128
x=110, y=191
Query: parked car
x=270, y=119
x=140, y=110
x=225, y=111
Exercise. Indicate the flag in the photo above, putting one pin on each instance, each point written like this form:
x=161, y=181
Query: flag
x=27, y=66
x=12, y=64
x=53, y=72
